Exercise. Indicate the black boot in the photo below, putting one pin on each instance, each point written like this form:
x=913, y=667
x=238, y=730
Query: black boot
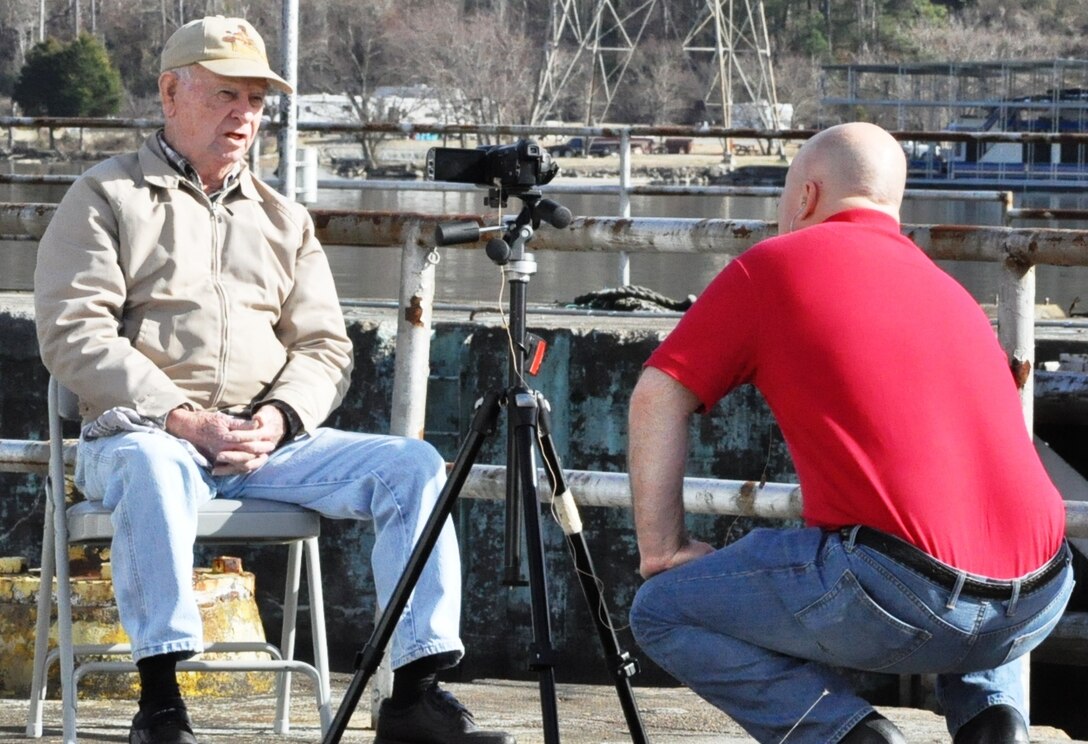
x=436, y=718
x=874, y=729
x=998, y=724
x=164, y=726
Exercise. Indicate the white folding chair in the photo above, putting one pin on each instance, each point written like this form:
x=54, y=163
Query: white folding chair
x=245, y=521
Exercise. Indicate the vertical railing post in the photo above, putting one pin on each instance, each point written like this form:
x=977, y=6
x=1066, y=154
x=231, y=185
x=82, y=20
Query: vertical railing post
x=413, y=362
x=1006, y=208
x=288, y=137
x=306, y=164
x=623, y=259
x=1016, y=331
x=1016, y=328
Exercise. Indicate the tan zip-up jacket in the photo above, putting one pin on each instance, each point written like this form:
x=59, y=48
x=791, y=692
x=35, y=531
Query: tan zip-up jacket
x=149, y=296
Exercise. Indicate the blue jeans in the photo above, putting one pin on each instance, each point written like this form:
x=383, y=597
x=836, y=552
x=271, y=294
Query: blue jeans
x=154, y=488
x=758, y=628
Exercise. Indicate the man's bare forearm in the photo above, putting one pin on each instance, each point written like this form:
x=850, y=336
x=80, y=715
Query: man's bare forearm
x=660, y=413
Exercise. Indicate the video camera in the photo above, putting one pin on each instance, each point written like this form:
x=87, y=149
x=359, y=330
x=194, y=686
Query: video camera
x=513, y=168
x=516, y=169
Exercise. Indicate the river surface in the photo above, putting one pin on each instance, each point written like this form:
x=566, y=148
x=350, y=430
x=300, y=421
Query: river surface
x=466, y=275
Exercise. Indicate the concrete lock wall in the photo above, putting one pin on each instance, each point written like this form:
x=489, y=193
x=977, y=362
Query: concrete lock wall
x=587, y=375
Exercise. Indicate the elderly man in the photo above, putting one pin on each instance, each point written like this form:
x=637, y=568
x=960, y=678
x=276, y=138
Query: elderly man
x=193, y=312
x=933, y=539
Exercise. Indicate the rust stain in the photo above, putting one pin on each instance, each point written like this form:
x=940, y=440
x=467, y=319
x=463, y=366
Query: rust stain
x=414, y=312
x=952, y=232
x=621, y=226
x=1021, y=371
x=1018, y=262
x=746, y=499
x=227, y=564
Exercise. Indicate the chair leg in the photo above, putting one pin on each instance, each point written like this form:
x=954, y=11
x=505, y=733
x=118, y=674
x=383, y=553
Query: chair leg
x=64, y=634
x=287, y=639
x=57, y=523
x=39, y=679
x=317, y=627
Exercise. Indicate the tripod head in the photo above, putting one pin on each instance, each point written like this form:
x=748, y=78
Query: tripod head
x=535, y=210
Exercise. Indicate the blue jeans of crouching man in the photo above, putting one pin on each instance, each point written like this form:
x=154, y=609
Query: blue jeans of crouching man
x=759, y=627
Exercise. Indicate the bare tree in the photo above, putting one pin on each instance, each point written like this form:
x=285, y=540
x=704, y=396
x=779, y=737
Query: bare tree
x=663, y=86
x=485, y=69
x=18, y=32
x=797, y=81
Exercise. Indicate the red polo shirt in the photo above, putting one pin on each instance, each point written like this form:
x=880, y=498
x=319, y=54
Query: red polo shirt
x=890, y=387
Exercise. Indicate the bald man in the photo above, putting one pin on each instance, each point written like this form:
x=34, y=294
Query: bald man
x=932, y=538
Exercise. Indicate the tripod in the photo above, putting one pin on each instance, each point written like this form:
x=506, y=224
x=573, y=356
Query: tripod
x=527, y=425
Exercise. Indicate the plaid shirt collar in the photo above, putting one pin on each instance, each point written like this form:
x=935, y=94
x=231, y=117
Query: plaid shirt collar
x=185, y=168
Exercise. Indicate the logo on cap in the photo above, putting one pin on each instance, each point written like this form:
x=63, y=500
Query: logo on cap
x=240, y=41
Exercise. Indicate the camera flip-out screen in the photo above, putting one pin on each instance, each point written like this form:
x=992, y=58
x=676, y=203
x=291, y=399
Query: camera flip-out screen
x=457, y=165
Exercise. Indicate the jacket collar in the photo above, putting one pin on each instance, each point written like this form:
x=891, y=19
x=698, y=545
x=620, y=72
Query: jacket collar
x=159, y=172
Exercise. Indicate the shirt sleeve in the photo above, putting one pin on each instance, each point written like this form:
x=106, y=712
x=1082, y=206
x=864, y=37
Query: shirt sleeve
x=713, y=348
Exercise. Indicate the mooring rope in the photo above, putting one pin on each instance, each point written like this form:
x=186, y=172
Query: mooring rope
x=631, y=297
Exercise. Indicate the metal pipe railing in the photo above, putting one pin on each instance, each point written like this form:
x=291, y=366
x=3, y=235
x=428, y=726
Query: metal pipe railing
x=1033, y=246
x=590, y=488
x=530, y=130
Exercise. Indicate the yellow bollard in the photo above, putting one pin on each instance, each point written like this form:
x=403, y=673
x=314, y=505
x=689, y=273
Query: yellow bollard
x=225, y=594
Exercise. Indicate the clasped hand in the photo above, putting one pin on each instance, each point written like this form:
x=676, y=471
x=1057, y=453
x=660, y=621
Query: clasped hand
x=232, y=444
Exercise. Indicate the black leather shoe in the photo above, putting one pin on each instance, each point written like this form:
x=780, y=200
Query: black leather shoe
x=436, y=718
x=874, y=729
x=998, y=724
x=165, y=726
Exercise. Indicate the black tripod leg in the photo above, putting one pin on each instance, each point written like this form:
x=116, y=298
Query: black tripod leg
x=522, y=408
x=621, y=664
x=367, y=661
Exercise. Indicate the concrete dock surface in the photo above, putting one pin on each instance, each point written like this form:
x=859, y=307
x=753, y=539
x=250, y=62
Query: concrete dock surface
x=588, y=714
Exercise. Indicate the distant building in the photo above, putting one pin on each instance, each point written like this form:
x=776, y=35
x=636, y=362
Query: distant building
x=415, y=104
x=333, y=107
x=418, y=104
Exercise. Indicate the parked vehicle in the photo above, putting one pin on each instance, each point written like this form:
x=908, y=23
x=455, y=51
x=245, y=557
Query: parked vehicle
x=677, y=145
x=599, y=147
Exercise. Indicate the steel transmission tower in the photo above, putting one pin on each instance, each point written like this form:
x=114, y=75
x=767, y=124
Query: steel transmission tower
x=591, y=43
x=734, y=34
x=593, y=33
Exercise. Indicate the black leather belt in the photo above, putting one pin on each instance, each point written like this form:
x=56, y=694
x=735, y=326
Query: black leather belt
x=903, y=552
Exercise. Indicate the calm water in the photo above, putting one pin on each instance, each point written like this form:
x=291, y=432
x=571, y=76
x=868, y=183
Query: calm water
x=466, y=275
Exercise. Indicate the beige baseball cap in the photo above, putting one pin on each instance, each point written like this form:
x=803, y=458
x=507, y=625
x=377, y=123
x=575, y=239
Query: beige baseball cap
x=227, y=46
